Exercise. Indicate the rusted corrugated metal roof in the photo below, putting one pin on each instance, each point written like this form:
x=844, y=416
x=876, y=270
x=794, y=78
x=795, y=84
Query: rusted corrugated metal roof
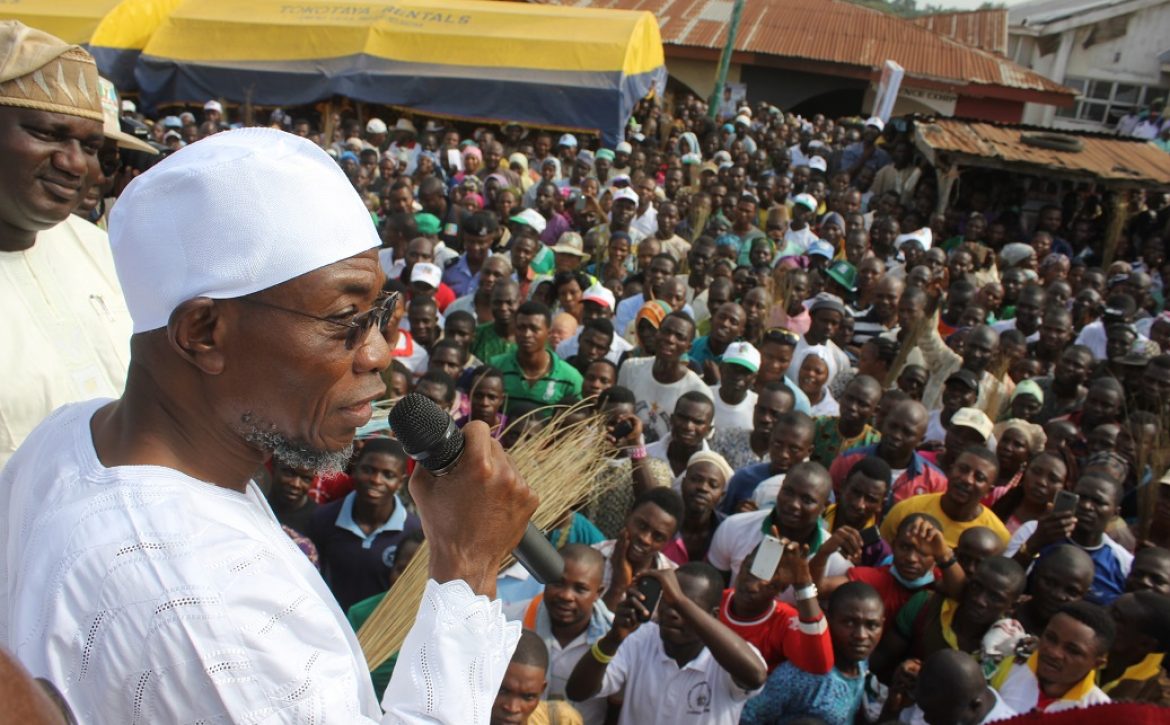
x=833, y=31
x=1105, y=158
x=986, y=29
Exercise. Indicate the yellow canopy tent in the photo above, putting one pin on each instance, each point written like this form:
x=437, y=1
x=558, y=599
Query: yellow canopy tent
x=70, y=20
x=119, y=38
x=543, y=64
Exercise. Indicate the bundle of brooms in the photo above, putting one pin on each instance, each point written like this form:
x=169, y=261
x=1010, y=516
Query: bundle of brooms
x=560, y=461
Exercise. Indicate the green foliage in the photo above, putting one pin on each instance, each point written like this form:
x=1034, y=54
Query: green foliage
x=911, y=8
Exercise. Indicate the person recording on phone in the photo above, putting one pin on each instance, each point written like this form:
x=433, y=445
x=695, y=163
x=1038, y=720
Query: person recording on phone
x=1080, y=519
x=686, y=667
x=259, y=329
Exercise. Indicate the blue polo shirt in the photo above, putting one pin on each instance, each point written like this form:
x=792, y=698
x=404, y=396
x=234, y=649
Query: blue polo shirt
x=354, y=565
x=743, y=484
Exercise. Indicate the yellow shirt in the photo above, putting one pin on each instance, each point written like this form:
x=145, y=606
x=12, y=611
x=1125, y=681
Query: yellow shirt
x=929, y=503
x=555, y=713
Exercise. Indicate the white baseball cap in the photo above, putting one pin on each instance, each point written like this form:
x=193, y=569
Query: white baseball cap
x=427, y=273
x=818, y=163
x=923, y=236
x=532, y=218
x=808, y=201
x=626, y=193
x=876, y=122
x=743, y=353
x=623, y=148
x=376, y=125
x=568, y=140
x=302, y=214
x=974, y=419
x=601, y=295
x=213, y=106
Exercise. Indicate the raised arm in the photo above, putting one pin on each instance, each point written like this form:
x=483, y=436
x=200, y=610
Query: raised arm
x=746, y=667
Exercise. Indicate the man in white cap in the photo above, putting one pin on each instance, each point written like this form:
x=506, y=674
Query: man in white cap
x=865, y=152
x=800, y=236
x=405, y=147
x=376, y=135
x=66, y=329
x=150, y=580
x=213, y=113
x=597, y=302
x=735, y=401
x=621, y=159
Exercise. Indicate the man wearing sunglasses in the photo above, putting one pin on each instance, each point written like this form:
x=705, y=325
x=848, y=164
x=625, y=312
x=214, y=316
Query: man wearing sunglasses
x=147, y=554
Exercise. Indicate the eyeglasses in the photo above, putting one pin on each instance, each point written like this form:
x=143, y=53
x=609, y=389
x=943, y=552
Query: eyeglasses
x=781, y=334
x=359, y=325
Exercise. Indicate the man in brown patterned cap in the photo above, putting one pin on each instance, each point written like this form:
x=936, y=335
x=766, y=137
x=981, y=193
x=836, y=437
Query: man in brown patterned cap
x=65, y=333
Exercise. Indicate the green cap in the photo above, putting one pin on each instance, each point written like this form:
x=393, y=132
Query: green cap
x=428, y=224
x=844, y=274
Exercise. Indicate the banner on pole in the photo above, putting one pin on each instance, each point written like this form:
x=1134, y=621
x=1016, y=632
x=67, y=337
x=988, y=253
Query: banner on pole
x=887, y=90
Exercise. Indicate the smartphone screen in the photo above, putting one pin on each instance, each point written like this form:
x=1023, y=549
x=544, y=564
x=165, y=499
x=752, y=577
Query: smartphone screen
x=1066, y=502
x=870, y=536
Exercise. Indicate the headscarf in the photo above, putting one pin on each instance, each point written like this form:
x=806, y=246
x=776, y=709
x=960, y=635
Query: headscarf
x=654, y=311
x=555, y=162
x=1032, y=433
x=714, y=459
x=821, y=351
x=473, y=151
x=1028, y=387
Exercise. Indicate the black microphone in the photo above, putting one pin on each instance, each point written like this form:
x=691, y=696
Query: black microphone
x=430, y=436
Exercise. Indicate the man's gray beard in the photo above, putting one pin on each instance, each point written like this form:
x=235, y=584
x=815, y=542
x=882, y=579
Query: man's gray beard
x=295, y=454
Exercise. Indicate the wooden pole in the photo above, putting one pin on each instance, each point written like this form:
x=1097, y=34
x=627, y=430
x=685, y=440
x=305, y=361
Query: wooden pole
x=1116, y=226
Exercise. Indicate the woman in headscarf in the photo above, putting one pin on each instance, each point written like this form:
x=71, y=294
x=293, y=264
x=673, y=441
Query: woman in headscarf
x=550, y=170
x=1016, y=442
x=815, y=371
x=518, y=162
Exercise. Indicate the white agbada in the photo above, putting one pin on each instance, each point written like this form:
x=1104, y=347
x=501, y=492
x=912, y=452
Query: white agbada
x=145, y=595
x=66, y=331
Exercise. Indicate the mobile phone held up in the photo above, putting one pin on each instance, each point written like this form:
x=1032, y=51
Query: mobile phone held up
x=870, y=536
x=768, y=556
x=651, y=591
x=1065, y=502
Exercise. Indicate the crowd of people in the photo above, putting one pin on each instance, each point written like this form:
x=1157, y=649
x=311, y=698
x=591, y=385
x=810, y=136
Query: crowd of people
x=881, y=456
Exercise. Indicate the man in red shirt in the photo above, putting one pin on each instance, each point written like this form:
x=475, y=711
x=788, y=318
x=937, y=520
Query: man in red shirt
x=780, y=631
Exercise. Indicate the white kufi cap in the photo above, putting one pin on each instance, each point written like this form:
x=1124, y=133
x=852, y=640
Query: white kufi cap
x=233, y=214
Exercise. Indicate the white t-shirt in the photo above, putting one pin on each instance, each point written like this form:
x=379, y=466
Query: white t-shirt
x=728, y=417
x=65, y=335
x=658, y=692
x=765, y=493
x=740, y=534
x=656, y=400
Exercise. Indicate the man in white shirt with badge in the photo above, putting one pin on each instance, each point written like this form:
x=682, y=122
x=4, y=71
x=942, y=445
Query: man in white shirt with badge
x=686, y=667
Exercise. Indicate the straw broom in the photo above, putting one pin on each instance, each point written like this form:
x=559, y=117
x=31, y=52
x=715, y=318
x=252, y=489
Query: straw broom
x=560, y=461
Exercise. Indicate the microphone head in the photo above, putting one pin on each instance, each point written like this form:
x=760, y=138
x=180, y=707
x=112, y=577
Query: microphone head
x=427, y=433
